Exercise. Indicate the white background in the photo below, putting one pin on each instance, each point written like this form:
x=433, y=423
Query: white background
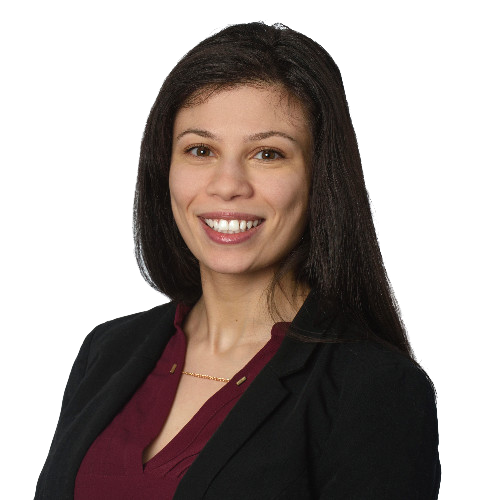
x=471, y=247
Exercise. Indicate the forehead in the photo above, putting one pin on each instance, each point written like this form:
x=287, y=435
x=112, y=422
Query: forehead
x=248, y=107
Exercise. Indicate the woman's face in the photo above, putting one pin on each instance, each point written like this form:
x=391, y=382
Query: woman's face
x=239, y=178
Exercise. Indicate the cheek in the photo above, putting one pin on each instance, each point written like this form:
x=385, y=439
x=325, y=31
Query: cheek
x=288, y=196
x=183, y=188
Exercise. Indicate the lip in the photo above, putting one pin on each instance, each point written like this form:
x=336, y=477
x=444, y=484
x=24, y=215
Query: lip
x=229, y=239
x=226, y=215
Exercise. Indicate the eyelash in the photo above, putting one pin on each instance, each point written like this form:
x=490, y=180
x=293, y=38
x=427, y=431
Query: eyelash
x=203, y=146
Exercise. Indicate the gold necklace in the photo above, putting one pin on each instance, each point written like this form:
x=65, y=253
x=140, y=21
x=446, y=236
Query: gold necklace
x=209, y=377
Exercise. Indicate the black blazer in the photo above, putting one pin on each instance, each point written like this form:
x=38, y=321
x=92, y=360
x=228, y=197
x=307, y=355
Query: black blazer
x=321, y=421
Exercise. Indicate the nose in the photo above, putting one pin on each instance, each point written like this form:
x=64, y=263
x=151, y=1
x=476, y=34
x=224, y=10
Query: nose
x=230, y=180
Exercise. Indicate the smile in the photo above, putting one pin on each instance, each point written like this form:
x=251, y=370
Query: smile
x=233, y=226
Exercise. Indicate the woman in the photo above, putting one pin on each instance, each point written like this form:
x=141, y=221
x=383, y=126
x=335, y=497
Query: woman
x=281, y=368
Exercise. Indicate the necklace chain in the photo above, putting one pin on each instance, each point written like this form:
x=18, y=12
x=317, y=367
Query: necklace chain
x=209, y=377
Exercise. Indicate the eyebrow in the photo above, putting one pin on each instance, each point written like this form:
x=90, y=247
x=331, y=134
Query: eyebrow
x=254, y=137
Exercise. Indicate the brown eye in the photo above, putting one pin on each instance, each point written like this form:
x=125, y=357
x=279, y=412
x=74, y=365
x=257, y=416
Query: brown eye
x=268, y=154
x=201, y=151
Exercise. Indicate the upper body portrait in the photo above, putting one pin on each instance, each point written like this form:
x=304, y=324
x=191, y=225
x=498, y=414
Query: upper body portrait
x=281, y=367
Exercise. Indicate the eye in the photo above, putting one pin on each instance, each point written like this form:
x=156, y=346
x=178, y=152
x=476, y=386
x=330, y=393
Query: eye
x=200, y=151
x=268, y=154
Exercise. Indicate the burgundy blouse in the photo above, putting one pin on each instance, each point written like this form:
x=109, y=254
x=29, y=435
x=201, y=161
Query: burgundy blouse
x=113, y=469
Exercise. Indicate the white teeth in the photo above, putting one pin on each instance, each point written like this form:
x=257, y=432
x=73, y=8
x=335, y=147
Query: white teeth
x=231, y=227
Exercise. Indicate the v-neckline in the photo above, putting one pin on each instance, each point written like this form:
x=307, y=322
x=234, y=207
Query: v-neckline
x=224, y=396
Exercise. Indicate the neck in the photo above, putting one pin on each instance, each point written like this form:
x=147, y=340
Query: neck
x=233, y=310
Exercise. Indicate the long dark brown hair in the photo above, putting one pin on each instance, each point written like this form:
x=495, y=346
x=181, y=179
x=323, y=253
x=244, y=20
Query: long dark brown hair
x=338, y=255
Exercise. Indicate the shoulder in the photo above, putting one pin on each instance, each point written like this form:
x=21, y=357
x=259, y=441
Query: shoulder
x=110, y=345
x=385, y=425
x=131, y=322
x=366, y=373
x=365, y=359
x=124, y=335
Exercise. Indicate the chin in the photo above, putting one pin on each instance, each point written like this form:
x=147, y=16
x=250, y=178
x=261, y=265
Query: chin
x=227, y=268
x=232, y=266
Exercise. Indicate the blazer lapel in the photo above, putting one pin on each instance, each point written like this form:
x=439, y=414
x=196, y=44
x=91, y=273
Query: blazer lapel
x=255, y=405
x=230, y=436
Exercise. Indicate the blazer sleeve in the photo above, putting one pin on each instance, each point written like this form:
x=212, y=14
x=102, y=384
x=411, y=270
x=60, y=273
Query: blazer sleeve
x=384, y=444
x=78, y=370
x=76, y=375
